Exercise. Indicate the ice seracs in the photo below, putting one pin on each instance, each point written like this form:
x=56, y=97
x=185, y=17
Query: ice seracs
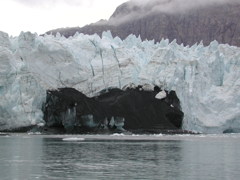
x=206, y=79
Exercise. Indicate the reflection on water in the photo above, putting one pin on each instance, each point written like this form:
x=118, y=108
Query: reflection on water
x=110, y=159
x=20, y=158
x=36, y=157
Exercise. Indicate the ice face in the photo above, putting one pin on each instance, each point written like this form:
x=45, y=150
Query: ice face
x=206, y=79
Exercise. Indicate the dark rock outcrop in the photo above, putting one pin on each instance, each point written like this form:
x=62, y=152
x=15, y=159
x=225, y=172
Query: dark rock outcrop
x=215, y=21
x=20, y=129
x=114, y=110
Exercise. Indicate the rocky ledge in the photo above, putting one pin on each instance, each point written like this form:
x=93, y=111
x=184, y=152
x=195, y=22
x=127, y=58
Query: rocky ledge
x=132, y=110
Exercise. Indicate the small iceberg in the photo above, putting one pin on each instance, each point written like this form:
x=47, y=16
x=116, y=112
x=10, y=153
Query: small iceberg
x=73, y=139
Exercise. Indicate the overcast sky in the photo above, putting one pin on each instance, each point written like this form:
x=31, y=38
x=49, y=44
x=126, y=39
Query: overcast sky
x=43, y=15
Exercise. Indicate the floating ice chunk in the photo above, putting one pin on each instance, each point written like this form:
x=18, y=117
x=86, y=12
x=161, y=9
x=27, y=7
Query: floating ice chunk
x=73, y=139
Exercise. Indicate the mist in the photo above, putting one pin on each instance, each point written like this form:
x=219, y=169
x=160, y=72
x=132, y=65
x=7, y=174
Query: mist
x=176, y=5
x=141, y=8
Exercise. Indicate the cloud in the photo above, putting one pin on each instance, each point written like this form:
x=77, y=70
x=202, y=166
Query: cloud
x=135, y=9
x=175, y=6
x=185, y=3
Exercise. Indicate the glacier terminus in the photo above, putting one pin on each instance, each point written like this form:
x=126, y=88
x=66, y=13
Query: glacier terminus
x=206, y=79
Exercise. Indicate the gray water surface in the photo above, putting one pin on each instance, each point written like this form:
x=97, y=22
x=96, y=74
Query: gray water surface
x=187, y=157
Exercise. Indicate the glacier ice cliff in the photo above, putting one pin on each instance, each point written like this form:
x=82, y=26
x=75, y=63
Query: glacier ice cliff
x=206, y=79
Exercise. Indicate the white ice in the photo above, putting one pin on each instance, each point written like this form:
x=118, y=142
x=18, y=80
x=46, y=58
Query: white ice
x=206, y=79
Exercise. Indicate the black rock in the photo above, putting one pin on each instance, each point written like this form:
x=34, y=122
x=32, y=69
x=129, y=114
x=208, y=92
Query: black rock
x=114, y=110
x=23, y=129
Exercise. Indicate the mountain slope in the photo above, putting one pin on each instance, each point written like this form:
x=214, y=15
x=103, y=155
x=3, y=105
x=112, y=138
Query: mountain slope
x=167, y=19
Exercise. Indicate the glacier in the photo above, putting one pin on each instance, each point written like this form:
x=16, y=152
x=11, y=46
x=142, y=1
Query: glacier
x=205, y=79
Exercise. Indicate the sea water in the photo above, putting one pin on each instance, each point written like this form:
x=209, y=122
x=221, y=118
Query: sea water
x=118, y=156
